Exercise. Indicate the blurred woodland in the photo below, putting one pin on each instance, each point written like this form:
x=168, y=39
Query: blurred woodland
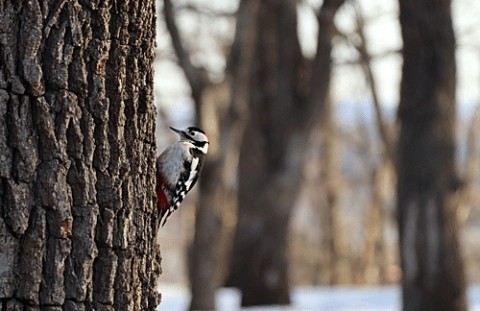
x=301, y=187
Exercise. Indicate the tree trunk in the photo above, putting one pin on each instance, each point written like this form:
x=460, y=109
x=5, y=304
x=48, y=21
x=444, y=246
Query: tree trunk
x=373, y=260
x=372, y=265
x=285, y=105
x=221, y=110
x=207, y=249
x=77, y=156
x=433, y=274
x=336, y=240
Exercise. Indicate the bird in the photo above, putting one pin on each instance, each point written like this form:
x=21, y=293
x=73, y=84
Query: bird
x=178, y=169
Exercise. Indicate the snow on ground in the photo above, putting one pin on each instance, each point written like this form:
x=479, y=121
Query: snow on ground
x=177, y=298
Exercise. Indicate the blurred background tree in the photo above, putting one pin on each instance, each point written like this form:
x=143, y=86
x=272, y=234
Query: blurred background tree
x=428, y=183
x=287, y=100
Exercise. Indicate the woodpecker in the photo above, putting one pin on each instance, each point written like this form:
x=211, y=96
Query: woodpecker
x=178, y=168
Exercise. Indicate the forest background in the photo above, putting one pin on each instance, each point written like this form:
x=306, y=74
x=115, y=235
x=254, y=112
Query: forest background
x=342, y=227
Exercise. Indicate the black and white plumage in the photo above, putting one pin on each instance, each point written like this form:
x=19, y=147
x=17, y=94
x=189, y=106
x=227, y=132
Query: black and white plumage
x=178, y=168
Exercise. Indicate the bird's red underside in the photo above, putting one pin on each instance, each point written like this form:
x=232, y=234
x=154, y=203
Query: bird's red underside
x=162, y=200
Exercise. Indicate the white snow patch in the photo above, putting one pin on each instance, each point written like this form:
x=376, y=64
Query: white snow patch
x=388, y=298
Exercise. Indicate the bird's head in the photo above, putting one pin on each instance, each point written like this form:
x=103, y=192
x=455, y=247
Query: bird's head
x=194, y=135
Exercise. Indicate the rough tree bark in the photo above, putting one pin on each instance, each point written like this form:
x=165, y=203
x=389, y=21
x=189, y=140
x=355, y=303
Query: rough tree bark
x=433, y=273
x=77, y=156
x=286, y=101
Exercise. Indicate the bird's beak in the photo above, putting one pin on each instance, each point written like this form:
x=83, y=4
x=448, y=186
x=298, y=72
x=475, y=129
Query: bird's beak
x=179, y=132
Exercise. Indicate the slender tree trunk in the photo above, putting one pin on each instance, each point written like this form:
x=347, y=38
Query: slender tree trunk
x=373, y=260
x=77, y=156
x=227, y=105
x=433, y=273
x=207, y=249
x=334, y=232
x=471, y=170
x=222, y=111
x=205, y=253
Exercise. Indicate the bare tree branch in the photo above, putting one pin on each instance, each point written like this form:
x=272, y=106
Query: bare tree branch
x=367, y=68
x=197, y=77
x=322, y=64
x=358, y=61
x=207, y=12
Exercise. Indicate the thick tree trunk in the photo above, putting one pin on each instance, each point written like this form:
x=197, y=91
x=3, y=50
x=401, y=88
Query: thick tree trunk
x=259, y=262
x=77, y=156
x=433, y=274
x=285, y=105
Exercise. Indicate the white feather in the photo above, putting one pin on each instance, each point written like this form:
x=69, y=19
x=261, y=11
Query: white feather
x=193, y=170
x=176, y=154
